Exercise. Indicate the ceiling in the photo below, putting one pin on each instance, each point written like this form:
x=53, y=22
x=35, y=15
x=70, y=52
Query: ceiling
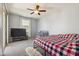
x=21, y=8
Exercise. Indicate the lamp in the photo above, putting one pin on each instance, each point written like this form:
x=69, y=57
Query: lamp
x=36, y=11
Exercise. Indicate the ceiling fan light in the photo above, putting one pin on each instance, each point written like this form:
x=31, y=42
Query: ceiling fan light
x=36, y=12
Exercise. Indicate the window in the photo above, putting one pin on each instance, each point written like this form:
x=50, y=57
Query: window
x=25, y=22
x=27, y=25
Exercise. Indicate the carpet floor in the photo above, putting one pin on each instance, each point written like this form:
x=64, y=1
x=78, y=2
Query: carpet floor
x=18, y=48
x=0, y=51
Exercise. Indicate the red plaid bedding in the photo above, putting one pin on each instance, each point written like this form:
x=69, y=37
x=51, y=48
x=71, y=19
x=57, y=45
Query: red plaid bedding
x=58, y=44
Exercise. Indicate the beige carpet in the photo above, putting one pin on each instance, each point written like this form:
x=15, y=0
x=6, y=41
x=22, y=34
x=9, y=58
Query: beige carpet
x=0, y=51
x=0, y=48
x=18, y=48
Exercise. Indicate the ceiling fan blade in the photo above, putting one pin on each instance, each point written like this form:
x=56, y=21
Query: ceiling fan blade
x=42, y=10
x=32, y=13
x=29, y=9
x=38, y=13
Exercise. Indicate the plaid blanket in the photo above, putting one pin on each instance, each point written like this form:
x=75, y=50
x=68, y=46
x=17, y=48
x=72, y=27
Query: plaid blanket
x=72, y=49
x=58, y=44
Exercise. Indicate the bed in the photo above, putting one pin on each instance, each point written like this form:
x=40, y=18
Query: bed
x=58, y=45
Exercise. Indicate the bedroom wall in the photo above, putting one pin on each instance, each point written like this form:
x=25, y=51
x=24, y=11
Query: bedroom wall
x=1, y=35
x=15, y=22
x=65, y=20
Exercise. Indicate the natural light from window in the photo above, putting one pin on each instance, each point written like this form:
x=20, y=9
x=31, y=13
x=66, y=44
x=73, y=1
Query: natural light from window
x=27, y=25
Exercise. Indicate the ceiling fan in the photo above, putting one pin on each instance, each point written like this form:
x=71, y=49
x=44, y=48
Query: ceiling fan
x=36, y=10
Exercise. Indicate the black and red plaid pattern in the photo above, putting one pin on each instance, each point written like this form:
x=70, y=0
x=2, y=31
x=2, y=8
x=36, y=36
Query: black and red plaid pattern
x=67, y=38
x=69, y=50
x=76, y=38
x=56, y=48
x=62, y=51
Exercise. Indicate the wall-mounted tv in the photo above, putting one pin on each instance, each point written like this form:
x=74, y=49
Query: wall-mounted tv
x=17, y=32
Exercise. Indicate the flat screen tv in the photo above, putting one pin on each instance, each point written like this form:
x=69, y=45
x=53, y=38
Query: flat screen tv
x=17, y=32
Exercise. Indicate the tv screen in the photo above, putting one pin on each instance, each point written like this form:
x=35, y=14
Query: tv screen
x=17, y=32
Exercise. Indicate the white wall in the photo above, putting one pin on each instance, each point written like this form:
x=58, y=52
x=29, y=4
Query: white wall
x=15, y=22
x=1, y=37
x=65, y=20
x=1, y=26
x=1, y=30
